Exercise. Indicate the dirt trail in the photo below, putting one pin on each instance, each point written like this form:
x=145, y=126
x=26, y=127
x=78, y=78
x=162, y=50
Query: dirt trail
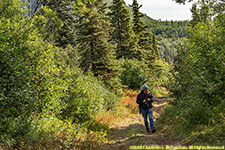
x=132, y=131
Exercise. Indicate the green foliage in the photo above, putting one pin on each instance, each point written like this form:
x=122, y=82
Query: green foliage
x=122, y=34
x=97, y=53
x=48, y=23
x=198, y=83
x=155, y=50
x=140, y=29
x=36, y=87
x=133, y=74
x=149, y=44
x=48, y=132
x=169, y=34
x=85, y=96
x=69, y=55
x=49, y=95
x=168, y=48
x=159, y=72
x=166, y=29
x=169, y=29
x=28, y=73
x=64, y=34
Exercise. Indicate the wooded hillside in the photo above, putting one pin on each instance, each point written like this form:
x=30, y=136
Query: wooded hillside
x=66, y=65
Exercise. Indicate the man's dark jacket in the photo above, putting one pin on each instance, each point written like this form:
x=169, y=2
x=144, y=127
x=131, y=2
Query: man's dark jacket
x=148, y=104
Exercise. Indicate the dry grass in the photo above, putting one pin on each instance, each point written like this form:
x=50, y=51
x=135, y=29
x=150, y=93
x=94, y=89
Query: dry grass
x=125, y=110
x=130, y=101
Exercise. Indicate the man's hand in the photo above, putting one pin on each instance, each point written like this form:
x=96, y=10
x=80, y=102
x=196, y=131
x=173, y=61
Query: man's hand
x=144, y=100
x=148, y=99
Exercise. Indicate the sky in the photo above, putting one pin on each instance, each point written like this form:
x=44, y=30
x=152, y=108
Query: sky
x=164, y=9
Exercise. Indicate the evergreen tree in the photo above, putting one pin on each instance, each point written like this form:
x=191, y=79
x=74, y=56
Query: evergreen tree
x=122, y=34
x=97, y=53
x=155, y=47
x=195, y=15
x=65, y=34
x=140, y=29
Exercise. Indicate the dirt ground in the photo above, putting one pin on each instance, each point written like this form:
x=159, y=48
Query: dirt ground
x=131, y=131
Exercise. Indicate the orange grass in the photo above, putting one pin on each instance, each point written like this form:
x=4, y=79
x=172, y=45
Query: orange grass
x=127, y=106
x=130, y=100
x=106, y=118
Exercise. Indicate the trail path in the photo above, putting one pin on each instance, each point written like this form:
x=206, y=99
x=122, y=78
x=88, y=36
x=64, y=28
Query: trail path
x=131, y=131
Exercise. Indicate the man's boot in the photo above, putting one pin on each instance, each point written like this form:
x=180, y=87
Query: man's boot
x=153, y=130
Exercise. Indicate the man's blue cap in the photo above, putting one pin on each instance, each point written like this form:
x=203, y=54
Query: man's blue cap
x=144, y=87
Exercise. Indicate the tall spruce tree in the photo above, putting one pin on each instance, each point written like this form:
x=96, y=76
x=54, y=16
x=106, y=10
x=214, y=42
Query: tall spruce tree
x=140, y=29
x=65, y=34
x=122, y=34
x=97, y=53
x=155, y=47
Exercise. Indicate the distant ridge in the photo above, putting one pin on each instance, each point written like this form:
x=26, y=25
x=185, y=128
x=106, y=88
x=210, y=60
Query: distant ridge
x=166, y=29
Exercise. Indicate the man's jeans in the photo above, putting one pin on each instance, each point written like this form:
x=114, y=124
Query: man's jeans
x=145, y=113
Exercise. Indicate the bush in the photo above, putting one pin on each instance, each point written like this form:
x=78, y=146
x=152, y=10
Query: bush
x=193, y=121
x=34, y=81
x=86, y=96
x=28, y=73
x=48, y=132
x=198, y=83
x=132, y=74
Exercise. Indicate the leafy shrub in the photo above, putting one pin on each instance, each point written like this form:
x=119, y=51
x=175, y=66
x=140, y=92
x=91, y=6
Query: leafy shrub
x=85, y=96
x=158, y=76
x=132, y=74
x=48, y=132
x=34, y=81
x=199, y=79
x=28, y=78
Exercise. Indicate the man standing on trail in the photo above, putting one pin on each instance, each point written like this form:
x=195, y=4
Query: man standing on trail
x=145, y=99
